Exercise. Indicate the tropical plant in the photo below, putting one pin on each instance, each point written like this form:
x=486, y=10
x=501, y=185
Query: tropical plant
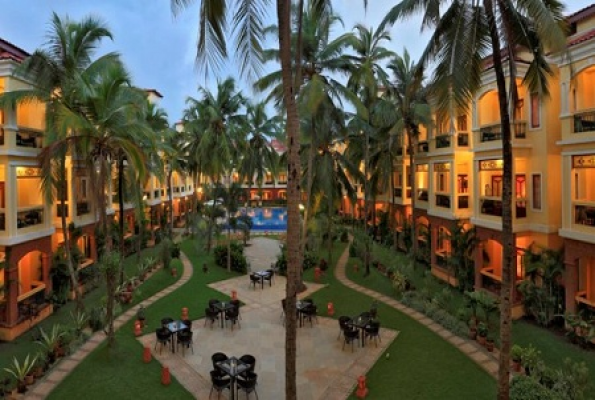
x=466, y=33
x=460, y=261
x=21, y=370
x=50, y=341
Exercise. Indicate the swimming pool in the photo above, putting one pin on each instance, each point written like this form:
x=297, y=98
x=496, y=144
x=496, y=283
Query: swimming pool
x=268, y=218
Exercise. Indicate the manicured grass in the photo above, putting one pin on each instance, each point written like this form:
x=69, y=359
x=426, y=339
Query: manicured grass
x=24, y=344
x=421, y=365
x=121, y=373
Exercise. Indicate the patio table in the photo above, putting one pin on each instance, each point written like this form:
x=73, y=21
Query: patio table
x=233, y=367
x=300, y=305
x=223, y=306
x=360, y=323
x=175, y=327
x=261, y=275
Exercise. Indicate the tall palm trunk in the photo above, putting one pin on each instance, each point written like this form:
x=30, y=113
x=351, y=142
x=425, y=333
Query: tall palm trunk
x=366, y=201
x=171, y=204
x=507, y=235
x=411, y=150
x=393, y=217
x=72, y=271
x=121, y=213
x=293, y=194
x=307, y=210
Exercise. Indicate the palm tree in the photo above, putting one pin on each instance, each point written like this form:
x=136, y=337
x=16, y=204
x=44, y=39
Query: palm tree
x=217, y=126
x=231, y=197
x=55, y=70
x=258, y=156
x=465, y=34
x=248, y=21
x=367, y=79
x=409, y=95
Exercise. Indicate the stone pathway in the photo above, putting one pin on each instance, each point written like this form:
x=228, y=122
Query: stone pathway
x=488, y=361
x=42, y=389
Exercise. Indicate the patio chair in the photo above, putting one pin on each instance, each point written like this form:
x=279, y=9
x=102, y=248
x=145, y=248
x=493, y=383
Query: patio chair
x=185, y=339
x=310, y=313
x=343, y=321
x=166, y=321
x=372, y=330
x=219, y=382
x=188, y=323
x=163, y=338
x=272, y=273
x=211, y=315
x=217, y=358
x=212, y=303
x=248, y=384
x=249, y=360
x=232, y=315
x=350, y=335
x=236, y=304
x=268, y=277
x=254, y=280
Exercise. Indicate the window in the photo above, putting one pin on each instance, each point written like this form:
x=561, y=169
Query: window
x=463, y=183
x=462, y=123
x=535, y=111
x=536, y=195
x=441, y=182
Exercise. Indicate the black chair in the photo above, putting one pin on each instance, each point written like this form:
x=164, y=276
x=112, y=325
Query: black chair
x=372, y=330
x=166, y=321
x=272, y=272
x=366, y=315
x=249, y=360
x=232, y=315
x=268, y=277
x=163, y=337
x=350, y=335
x=248, y=384
x=212, y=303
x=219, y=382
x=310, y=313
x=185, y=339
x=309, y=301
x=254, y=280
x=236, y=304
x=343, y=321
x=217, y=358
x=188, y=323
x=211, y=315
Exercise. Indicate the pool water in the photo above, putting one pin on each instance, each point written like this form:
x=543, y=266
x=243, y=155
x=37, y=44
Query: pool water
x=268, y=218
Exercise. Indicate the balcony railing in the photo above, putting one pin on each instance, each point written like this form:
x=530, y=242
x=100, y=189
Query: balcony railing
x=463, y=139
x=29, y=138
x=422, y=194
x=423, y=147
x=443, y=200
x=463, y=202
x=494, y=132
x=443, y=141
x=30, y=217
x=494, y=207
x=584, y=215
x=82, y=208
x=584, y=122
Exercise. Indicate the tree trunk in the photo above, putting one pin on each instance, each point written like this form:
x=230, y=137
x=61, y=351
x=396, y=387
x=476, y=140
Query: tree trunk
x=393, y=217
x=366, y=205
x=507, y=235
x=72, y=271
x=293, y=195
x=121, y=213
x=308, y=208
x=228, y=245
x=411, y=150
x=171, y=205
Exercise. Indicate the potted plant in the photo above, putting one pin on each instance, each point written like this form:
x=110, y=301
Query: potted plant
x=141, y=316
x=516, y=354
x=51, y=342
x=531, y=359
x=20, y=371
x=490, y=342
x=482, y=333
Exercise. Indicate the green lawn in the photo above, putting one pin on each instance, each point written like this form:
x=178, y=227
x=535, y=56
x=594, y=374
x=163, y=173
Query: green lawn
x=421, y=364
x=121, y=374
x=24, y=344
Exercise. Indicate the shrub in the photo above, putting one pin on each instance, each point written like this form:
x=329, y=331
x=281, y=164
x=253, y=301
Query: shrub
x=527, y=388
x=310, y=260
x=238, y=260
x=175, y=251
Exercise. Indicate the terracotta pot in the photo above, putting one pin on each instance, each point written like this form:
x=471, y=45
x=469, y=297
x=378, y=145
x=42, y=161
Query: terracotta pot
x=490, y=345
x=29, y=379
x=472, y=333
x=481, y=340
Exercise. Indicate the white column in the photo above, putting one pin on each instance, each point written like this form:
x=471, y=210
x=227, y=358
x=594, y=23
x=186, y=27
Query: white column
x=564, y=97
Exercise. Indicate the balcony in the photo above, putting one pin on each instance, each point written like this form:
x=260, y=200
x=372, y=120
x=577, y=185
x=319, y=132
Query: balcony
x=463, y=202
x=443, y=141
x=2, y=221
x=423, y=146
x=584, y=214
x=584, y=122
x=29, y=138
x=493, y=132
x=463, y=139
x=82, y=208
x=156, y=194
x=398, y=192
x=422, y=194
x=443, y=200
x=493, y=207
x=29, y=216
x=1, y=136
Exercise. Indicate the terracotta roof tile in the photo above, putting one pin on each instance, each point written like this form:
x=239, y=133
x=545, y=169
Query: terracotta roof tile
x=583, y=37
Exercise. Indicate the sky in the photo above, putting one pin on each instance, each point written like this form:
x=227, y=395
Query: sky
x=160, y=49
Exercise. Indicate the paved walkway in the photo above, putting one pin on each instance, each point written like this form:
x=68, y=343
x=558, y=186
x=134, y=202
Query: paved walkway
x=42, y=389
x=324, y=369
x=488, y=361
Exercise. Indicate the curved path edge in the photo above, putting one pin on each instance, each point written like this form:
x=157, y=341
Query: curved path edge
x=42, y=389
x=487, y=361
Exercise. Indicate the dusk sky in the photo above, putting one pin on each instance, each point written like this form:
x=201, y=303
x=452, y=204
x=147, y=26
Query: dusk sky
x=159, y=50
